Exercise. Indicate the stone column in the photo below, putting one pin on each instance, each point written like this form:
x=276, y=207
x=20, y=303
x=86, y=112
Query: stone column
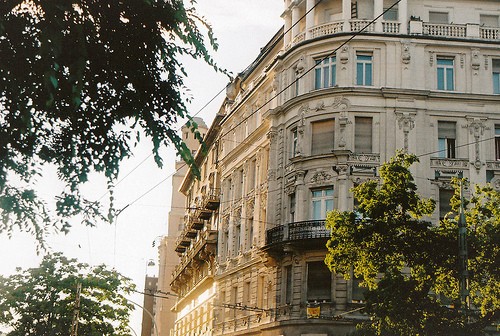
x=288, y=24
x=378, y=8
x=346, y=15
x=300, y=197
x=403, y=16
x=295, y=21
x=310, y=17
x=343, y=188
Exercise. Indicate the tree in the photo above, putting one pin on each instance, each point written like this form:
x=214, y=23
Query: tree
x=79, y=79
x=410, y=266
x=41, y=301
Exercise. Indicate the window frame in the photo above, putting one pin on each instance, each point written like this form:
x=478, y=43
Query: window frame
x=443, y=72
x=314, y=139
x=294, y=135
x=358, y=136
x=314, y=286
x=327, y=195
x=447, y=145
x=495, y=72
x=364, y=66
x=325, y=72
x=497, y=142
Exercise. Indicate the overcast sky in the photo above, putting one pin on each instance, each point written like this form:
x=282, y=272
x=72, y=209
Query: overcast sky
x=242, y=27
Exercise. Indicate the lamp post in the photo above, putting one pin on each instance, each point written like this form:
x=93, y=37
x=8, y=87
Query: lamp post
x=147, y=312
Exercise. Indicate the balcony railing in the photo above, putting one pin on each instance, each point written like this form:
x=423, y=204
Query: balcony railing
x=489, y=33
x=391, y=27
x=394, y=27
x=446, y=30
x=312, y=229
x=358, y=25
x=327, y=29
x=211, y=200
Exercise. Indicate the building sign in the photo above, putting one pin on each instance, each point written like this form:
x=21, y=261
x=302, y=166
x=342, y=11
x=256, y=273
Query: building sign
x=313, y=311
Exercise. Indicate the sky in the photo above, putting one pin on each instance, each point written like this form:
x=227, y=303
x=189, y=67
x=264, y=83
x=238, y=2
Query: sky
x=242, y=27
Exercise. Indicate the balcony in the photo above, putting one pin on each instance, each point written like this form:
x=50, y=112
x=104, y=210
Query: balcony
x=446, y=30
x=297, y=231
x=211, y=200
x=203, y=249
x=416, y=27
x=195, y=223
x=191, y=233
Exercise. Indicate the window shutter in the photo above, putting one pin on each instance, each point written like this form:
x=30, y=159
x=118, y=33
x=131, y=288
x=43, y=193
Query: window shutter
x=446, y=130
x=322, y=136
x=363, y=135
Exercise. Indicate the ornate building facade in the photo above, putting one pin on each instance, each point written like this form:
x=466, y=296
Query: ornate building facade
x=315, y=114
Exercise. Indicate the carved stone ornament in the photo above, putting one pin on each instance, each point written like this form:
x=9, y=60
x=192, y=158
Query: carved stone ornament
x=272, y=135
x=495, y=183
x=301, y=64
x=321, y=177
x=476, y=62
x=476, y=127
x=405, y=55
x=263, y=200
x=320, y=106
x=406, y=122
x=431, y=58
x=344, y=55
x=290, y=189
x=250, y=205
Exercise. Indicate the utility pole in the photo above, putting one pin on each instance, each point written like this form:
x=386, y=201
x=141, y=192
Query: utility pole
x=76, y=312
x=463, y=256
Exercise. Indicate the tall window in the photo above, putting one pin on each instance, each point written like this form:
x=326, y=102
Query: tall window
x=288, y=284
x=363, y=133
x=325, y=73
x=447, y=139
x=249, y=232
x=496, y=76
x=322, y=202
x=292, y=207
x=497, y=142
x=445, y=196
x=445, y=74
x=295, y=141
x=357, y=290
x=322, y=136
x=319, y=282
x=237, y=237
x=364, y=69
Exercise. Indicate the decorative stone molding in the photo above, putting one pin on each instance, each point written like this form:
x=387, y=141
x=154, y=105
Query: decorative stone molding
x=431, y=58
x=364, y=158
x=301, y=65
x=406, y=55
x=320, y=177
x=344, y=56
x=449, y=163
x=250, y=205
x=476, y=62
x=476, y=128
x=493, y=165
x=406, y=122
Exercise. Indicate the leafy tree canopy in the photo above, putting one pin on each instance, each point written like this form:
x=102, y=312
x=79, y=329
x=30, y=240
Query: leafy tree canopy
x=41, y=301
x=409, y=266
x=78, y=79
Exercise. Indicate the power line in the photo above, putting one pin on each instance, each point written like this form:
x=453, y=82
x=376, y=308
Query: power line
x=311, y=68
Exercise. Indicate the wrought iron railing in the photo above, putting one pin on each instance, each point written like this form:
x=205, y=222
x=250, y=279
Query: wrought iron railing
x=312, y=229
